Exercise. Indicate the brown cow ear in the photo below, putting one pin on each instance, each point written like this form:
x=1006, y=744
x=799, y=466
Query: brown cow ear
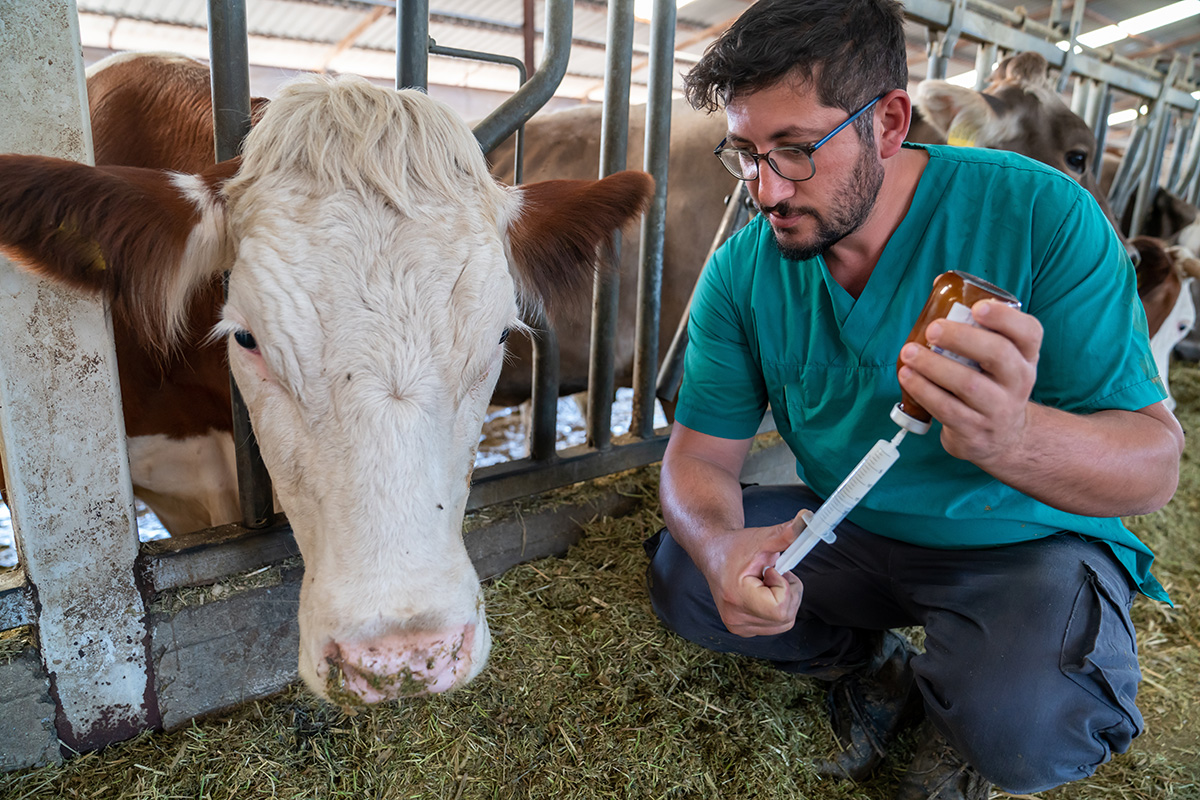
x=122, y=232
x=554, y=239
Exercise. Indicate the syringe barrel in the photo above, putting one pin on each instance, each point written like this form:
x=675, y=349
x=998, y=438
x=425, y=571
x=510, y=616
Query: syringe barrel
x=843, y=500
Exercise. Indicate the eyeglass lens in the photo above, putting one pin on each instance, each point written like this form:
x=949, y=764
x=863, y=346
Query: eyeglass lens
x=794, y=164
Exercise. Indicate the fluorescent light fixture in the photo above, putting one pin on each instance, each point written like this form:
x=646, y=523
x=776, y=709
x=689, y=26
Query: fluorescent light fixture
x=965, y=79
x=1161, y=16
x=1139, y=24
x=1122, y=117
x=1100, y=37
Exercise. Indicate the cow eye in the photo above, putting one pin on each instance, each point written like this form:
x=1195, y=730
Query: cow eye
x=504, y=335
x=1077, y=160
x=245, y=339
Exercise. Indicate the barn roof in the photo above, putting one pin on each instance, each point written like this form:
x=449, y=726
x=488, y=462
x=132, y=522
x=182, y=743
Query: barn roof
x=359, y=35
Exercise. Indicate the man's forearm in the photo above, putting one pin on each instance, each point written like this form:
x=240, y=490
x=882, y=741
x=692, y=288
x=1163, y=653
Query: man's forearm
x=1107, y=464
x=700, y=499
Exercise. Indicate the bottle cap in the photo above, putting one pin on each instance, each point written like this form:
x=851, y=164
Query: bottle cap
x=907, y=422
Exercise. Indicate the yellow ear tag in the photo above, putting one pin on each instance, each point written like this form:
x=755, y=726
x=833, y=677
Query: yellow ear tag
x=959, y=136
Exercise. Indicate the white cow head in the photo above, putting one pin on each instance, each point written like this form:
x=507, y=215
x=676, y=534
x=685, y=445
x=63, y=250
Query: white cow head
x=375, y=270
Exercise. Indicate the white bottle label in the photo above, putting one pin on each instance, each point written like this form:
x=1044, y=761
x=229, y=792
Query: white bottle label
x=959, y=313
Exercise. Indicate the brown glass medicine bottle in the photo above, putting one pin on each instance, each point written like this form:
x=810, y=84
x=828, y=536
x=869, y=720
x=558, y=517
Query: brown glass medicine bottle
x=951, y=298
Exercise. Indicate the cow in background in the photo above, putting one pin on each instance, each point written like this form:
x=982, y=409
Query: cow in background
x=1166, y=275
x=375, y=270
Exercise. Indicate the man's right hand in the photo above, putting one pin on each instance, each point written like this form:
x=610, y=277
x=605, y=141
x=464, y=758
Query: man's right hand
x=751, y=597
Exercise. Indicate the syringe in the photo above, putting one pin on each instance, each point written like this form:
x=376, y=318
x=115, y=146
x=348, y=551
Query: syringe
x=842, y=501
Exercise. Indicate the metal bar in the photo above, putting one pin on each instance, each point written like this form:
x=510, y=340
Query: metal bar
x=1160, y=117
x=670, y=374
x=516, y=110
x=985, y=58
x=543, y=439
x=508, y=481
x=1067, y=68
x=654, y=224
x=529, y=34
x=1130, y=166
x=1182, y=134
x=1056, y=13
x=1091, y=107
x=1191, y=159
x=614, y=141
x=412, y=44
x=205, y=557
x=1079, y=97
x=228, y=54
x=1193, y=192
x=230, y=60
x=1100, y=128
x=1147, y=181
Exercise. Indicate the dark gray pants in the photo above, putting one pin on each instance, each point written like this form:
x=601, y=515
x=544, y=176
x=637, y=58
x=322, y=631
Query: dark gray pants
x=1030, y=665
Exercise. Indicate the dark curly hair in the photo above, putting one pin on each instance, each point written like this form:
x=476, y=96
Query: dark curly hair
x=850, y=50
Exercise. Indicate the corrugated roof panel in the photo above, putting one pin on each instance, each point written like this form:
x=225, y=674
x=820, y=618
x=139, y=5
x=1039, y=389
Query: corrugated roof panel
x=176, y=12
x=303, y=21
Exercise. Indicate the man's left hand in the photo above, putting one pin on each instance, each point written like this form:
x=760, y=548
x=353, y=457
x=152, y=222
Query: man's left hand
x=983, y=414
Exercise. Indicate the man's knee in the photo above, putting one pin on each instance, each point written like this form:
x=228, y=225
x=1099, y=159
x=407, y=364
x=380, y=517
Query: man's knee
x=1025, y=753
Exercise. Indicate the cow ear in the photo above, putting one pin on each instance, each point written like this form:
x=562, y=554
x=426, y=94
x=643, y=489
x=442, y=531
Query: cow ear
x=958, y=113
x=144, y=239
x=1024, y=69
x=554, y=239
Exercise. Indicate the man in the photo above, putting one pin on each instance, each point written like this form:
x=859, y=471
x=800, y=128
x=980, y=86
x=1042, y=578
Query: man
x=998, y=531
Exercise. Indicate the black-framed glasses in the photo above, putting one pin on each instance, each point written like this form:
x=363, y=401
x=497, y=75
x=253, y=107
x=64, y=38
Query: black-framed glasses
x=791, y=162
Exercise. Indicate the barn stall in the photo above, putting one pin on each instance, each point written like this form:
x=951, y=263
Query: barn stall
x=110, y=650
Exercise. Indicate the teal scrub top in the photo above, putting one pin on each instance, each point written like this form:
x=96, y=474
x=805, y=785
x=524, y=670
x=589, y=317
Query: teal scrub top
x=768, y=331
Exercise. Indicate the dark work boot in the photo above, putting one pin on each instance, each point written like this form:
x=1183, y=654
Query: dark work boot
x=938, y=772
x=868, y=708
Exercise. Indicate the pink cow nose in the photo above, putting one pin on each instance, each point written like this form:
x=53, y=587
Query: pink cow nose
x=398, y=665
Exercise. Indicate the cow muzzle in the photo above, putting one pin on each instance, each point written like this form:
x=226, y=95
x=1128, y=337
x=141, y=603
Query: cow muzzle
x=403, y=664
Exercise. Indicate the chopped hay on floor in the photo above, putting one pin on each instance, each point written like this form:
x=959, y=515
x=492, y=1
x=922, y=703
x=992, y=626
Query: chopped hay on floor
x=587, y=696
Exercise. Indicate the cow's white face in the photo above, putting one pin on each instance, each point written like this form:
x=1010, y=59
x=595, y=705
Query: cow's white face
x=366, y=341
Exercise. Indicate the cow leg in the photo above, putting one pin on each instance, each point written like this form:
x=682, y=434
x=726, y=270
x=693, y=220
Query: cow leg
x=189, y=484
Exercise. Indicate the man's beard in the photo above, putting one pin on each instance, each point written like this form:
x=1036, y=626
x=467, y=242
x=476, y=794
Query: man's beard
x=861, y=193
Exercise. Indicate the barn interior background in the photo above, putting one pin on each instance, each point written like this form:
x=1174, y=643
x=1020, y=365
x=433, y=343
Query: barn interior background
x=359, y=36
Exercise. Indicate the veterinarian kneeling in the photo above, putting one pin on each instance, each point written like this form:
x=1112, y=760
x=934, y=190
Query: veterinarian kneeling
x=999, y=530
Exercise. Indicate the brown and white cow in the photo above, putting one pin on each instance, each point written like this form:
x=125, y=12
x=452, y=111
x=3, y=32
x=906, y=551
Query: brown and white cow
x=375, y=271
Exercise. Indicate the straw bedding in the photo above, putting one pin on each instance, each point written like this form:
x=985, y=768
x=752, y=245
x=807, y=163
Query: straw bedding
x=586, y=696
